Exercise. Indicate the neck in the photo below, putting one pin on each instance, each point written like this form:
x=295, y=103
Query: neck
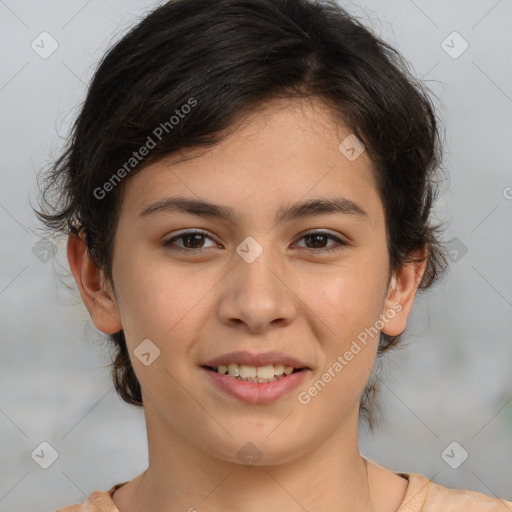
x=180, y=476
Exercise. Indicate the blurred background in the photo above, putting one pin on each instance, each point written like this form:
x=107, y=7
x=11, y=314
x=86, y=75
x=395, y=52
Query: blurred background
x=447, y=395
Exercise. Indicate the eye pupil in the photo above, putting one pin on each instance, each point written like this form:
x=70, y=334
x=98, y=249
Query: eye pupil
x=187, y=242
x=316, y=238
x=194, y=235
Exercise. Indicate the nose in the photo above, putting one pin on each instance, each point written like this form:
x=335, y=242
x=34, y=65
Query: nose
x=257, y=295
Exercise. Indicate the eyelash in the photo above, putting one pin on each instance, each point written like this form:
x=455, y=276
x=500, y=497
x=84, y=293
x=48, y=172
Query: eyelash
x=169, y=243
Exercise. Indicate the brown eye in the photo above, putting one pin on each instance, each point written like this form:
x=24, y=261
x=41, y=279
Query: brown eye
x=192, y=241
x=318, y=239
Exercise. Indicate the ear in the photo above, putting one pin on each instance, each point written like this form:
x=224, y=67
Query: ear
x=402, y=290
x=96, y=294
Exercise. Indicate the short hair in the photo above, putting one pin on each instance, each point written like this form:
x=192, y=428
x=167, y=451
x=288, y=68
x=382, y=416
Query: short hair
x=192, y=68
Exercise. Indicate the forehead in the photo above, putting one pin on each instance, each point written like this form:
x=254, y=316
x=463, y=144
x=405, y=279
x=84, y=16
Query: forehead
x=283, y=151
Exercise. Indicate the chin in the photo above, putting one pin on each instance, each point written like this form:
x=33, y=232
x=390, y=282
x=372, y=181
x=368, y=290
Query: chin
x=257, y=449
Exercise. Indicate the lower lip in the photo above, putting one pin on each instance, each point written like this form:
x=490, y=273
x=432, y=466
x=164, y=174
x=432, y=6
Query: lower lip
x=254, y=392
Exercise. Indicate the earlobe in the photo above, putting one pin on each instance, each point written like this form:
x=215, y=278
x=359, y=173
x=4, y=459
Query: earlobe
x=402, y=291
x=94, y=291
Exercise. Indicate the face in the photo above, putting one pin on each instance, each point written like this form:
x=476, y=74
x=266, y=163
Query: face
x=307, y=283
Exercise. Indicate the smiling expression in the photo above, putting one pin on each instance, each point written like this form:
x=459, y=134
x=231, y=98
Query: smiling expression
x=312, y=224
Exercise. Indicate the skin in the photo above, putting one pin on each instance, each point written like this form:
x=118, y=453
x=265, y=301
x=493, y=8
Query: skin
x=294, y=297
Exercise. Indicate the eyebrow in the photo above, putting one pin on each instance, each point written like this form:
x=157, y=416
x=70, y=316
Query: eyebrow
x=298, y=210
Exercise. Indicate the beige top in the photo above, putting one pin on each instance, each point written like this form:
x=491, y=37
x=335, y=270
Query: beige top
x=421, y=496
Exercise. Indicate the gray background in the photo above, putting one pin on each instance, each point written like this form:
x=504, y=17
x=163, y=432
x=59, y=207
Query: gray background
x=452, y=383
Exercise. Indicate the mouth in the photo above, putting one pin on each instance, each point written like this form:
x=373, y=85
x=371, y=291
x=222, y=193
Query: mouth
x=249, y=365
x=258, y=374
x=256, y=378
x=273, y=383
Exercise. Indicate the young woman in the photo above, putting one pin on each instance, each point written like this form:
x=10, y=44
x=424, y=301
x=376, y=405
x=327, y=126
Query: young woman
x=247, y=196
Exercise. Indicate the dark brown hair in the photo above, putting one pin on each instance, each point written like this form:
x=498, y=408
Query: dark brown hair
x=190, y=69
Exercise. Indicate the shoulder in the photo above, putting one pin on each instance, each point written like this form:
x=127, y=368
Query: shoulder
x=468, y=501
x=97, y=501
x=70, y=508
x=425, y=496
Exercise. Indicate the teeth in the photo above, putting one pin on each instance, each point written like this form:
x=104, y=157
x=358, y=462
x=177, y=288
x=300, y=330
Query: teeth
x=233, y=370
x=254, y=373
x=278, y=369
x=247, y=372
x=265, y=372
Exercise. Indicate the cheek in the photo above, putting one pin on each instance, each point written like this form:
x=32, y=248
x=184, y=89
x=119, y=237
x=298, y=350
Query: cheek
x=159, y=301
x=350, y=307
x=349, y=299
x=163, y=304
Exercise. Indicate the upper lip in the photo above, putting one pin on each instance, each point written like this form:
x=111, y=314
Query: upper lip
x=250, y=359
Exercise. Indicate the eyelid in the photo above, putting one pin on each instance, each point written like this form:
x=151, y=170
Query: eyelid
x=340, y=241
x=184, y=232
x=320, y=231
